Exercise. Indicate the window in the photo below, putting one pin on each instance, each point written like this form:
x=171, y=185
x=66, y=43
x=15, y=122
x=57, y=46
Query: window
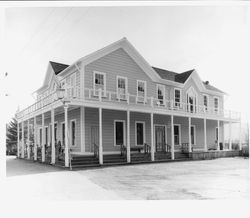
x=55, y=129
x=40, y=136
x=50, y=134
x=160, y=93
x=46, y=135
x=216, y=104
x=100, y=82
x=216, y=134
x=63, y=84
x=119, y=132
x=177, y=135
x=121, y=87
x=73, y=132
x=141, y=90
x=177, y=97
x=140, y=133
x=63, y=133
x=193, y=135
x=205, y=102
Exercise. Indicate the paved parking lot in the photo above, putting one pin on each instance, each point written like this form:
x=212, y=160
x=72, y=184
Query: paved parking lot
x=225, y=178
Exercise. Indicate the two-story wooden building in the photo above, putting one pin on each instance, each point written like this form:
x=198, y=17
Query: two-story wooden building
x=113, y=107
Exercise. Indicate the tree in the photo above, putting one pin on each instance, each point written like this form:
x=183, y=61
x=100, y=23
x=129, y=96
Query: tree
x=11, y=137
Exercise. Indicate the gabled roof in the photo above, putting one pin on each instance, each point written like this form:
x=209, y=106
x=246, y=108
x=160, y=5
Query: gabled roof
x=181, y=77
x=165, y=74
x=170, y=75
x=58, y=67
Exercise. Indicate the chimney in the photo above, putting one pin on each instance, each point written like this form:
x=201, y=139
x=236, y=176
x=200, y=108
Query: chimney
x=207, y=82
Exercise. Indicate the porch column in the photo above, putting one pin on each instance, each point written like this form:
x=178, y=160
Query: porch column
x=100, y=137
x=43, y=139
x=53, y=150
x=28, y=139
x=66, y=148
x=18, y=140
x=22, y=139
x=230, y=137
x=218, y=142
x=128, y=137
x=189, y=135
x=152, y=137
x=205, y=134
x=172, y=137
x=35, y=139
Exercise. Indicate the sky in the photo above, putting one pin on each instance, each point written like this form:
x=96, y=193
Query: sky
x=214, y=40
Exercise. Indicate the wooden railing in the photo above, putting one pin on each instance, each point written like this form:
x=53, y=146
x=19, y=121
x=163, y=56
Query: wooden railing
x=123, y=150
x=74, y=93
x=147, y=148
x=113, y=97
x=185, y=147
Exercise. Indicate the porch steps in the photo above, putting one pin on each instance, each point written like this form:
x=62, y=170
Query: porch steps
x=80, y=161
x=140, y=158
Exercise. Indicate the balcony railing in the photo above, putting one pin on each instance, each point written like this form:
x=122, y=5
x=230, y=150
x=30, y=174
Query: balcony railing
x=74, y=93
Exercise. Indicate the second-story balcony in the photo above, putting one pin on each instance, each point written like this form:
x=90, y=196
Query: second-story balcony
x=99, y=97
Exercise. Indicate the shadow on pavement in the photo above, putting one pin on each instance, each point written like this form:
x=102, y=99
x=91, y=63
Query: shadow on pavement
x=19, y=167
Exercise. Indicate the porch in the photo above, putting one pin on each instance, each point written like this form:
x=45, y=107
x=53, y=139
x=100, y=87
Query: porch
x=101, y=136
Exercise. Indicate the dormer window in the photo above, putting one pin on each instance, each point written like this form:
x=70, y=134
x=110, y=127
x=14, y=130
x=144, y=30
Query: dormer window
x=99, y=82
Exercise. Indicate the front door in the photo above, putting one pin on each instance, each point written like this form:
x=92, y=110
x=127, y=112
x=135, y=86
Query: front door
x=94, y=137
x=160, y=139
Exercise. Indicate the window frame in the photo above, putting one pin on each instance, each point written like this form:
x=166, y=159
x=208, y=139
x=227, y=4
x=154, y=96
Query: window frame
x=104, y=81
x=145, y=89
x=206, y=107
x=164, y=93
x=144, y=132
x=70, y=129
x=126, y=86
x=63, y=133
x=40, y=136
x=175, y=103
x=216, y=110
x=179, y=126
x=124, y=132
x=194, y=126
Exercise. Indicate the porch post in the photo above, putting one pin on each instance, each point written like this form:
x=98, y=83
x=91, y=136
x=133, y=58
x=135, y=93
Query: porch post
x=18, y=139
x=35, y=139
x=43, y=139
x=53, y=150
x=66, y=148
x=218, y=142
x=205, y=134
x=22, y=139
x=172, y=137
x=128, y=137
x=28, y=139
x=152, y=137
x=230, y=137
x=189, y=135
x=100, y=137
